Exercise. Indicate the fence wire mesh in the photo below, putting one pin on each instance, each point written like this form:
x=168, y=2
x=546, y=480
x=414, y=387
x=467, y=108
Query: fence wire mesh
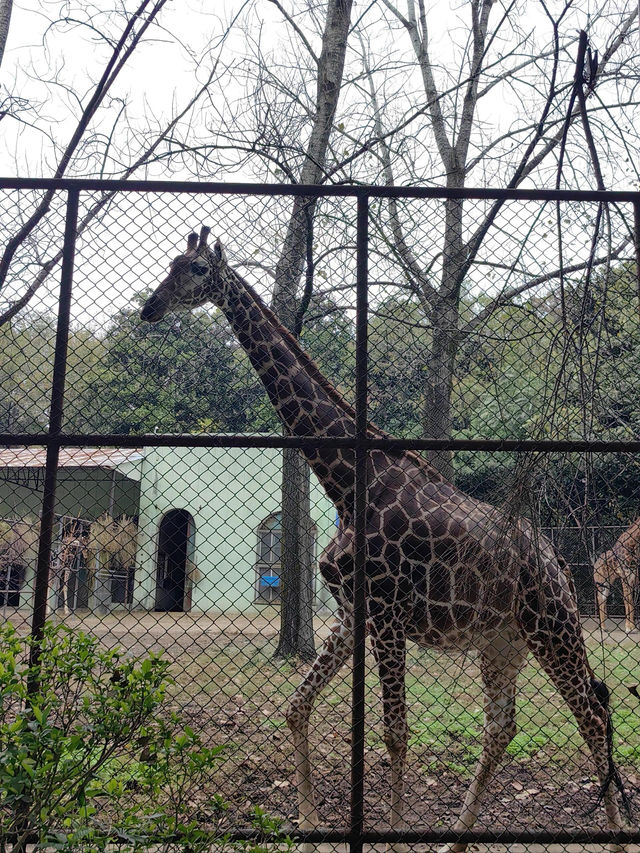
x=499, y=338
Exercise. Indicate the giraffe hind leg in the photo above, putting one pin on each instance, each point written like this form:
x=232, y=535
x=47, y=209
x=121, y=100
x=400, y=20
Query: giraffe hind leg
x=389, y=647
x=613, y=777
x=629, y=609
x=603, y=588
x=500, y=664
x=559, y=648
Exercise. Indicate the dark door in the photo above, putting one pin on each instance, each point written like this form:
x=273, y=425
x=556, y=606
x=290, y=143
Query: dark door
x=173, y=542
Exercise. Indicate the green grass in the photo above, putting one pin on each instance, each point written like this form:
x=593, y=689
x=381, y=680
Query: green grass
x=444, y=696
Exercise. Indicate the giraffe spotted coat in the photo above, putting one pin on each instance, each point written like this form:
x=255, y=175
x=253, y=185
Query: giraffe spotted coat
x=442, y=569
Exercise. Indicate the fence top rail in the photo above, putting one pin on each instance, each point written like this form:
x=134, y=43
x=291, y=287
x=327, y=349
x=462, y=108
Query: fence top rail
x=85, y=440
x=372, y=191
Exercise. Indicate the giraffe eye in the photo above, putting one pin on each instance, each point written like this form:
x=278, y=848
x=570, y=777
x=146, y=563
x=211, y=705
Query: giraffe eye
x=198, y=269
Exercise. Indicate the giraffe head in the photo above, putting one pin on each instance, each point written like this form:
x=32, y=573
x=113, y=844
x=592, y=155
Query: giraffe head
x=194, y=279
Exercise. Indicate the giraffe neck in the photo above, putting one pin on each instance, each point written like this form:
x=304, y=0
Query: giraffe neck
x=306, y=403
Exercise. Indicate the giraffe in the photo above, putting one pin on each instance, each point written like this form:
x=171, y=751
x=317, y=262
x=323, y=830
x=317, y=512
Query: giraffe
x=72, y=547
x=622, y=561
x=442, y=569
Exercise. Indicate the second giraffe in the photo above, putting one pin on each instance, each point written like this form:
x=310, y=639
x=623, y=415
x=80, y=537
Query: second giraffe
x=622, y=561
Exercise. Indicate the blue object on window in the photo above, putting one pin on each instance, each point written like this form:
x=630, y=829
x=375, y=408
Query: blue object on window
x=270, y=580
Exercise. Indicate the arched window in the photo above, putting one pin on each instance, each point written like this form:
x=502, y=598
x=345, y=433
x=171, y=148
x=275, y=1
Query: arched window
x=268, y=559
x=268, y=551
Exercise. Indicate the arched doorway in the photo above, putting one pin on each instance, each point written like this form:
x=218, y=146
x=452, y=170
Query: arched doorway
x=175, y=546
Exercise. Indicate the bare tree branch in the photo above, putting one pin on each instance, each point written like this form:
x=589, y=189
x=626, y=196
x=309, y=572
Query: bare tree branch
x=297, y=29
x=512, y=293
x=145, y=158
x=125, y=46
x=420, y=47
x=415, y=275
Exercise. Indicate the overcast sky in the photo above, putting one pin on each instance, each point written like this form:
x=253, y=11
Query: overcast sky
x=135, y=246
x=160, y=76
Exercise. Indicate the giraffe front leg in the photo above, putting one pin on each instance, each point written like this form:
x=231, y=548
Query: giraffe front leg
x=335, y=651
x=500, y=664
x=390, y=651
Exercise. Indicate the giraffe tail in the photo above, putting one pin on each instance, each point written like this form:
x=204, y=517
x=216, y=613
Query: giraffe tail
x=602, y=695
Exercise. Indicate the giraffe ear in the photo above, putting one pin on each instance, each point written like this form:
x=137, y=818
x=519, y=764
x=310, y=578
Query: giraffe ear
x=204, y=234
x=219, y=251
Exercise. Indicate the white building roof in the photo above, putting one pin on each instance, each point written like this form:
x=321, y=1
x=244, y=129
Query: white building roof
x=71, y=457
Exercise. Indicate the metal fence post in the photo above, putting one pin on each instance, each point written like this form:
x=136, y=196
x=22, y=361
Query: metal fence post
x=360, y=510
x=636, y=237
x=41, y=585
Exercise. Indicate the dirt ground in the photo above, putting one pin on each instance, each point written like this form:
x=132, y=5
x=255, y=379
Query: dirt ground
x=258, y=769
x=178, y=634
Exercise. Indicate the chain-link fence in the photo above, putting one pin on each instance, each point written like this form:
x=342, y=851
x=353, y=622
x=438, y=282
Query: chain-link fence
x=492, y=338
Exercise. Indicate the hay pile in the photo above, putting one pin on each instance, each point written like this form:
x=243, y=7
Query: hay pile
x=115, y=538
x=19, y=541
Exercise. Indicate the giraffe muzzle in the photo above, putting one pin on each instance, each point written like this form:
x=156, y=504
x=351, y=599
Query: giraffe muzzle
x=154, y=308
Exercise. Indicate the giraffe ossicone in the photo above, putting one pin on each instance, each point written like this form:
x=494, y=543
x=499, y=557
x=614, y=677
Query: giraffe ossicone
x=443, y=570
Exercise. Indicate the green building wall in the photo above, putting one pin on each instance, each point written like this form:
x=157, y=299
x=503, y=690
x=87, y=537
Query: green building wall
x=228, y=492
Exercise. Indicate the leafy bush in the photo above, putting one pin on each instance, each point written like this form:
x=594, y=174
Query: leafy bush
x=89, y=755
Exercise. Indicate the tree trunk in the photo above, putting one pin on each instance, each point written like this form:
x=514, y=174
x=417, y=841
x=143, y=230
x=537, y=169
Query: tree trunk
x=441, y=361
x=297, y=566
x=6, y=7
x=444, y=322
x=296, y=612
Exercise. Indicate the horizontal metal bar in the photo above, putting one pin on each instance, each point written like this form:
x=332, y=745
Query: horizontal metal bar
x=314, y=190
x=516, y=444
x=427, y=836
x=279, y=441
x=448, y=836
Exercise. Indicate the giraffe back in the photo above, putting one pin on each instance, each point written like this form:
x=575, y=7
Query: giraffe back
x=450, y=568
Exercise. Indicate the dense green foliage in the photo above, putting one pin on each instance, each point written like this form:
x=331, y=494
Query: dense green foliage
x=538, y=371
x=164, y=378
x=542, y=368
x=91, y=754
